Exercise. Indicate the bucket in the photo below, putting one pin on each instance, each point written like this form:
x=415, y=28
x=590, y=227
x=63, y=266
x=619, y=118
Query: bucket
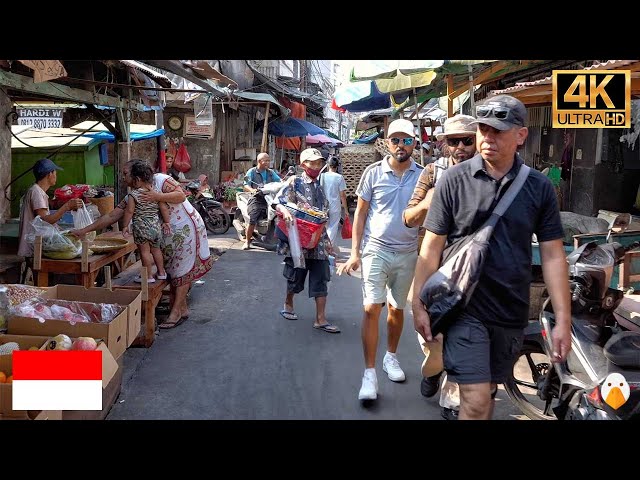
x=105, y=204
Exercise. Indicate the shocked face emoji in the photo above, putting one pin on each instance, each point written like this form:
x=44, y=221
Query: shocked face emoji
x=615, y=390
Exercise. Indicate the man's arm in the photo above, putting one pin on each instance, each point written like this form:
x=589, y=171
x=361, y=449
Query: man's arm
x=427, y=264
x=416, y=210
x=556, y=278
x=359, y=220
x=247, y=183
x=52, y=218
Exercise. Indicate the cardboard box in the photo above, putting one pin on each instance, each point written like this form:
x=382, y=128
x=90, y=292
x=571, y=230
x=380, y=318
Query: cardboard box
x=110, y=369
x=133, y=299
x=115, y=333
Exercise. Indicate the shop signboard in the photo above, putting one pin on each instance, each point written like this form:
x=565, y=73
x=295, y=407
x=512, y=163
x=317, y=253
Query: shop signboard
x=40, y=118
x=192, y=129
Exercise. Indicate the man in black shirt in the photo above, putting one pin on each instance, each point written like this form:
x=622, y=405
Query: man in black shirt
x=482, y=344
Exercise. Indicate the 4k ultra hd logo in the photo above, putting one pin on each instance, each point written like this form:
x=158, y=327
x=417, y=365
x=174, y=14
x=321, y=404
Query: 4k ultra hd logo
x=591, y=98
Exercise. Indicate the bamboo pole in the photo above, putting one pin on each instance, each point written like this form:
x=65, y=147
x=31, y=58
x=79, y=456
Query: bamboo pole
x=264, y=145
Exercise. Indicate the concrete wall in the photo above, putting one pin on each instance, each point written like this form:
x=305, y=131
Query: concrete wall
x=5, y=155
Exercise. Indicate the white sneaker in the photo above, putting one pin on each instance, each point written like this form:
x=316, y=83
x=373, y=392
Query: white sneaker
x=392, y=367
x=369, y=388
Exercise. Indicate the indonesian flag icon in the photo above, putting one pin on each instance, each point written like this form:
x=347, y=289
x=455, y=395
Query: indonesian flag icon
x=57, y=380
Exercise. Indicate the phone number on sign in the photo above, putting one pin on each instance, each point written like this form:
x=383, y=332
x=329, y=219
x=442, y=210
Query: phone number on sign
x=41, y=123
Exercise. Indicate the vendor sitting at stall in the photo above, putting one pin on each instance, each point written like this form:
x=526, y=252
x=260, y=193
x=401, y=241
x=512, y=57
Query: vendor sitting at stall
x=36, y=203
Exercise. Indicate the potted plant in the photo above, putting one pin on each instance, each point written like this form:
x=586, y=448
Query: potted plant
x=229, y=197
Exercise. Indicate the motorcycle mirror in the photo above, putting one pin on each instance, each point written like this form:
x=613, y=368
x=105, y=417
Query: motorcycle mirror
x=292, y=170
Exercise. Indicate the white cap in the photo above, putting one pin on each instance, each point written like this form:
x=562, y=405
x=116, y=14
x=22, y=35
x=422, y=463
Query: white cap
x=401, y=126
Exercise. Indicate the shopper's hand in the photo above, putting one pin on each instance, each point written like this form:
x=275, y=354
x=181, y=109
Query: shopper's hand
x=351, y=265
x=125, y=232
x=80, y=233
x=421, y=320
x=74, y=204
x=561, y=341
x=150, y=196
x=287, y=217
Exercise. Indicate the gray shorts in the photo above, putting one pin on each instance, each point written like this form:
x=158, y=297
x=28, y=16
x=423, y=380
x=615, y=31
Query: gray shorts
x=319, y=276
x=478, y=353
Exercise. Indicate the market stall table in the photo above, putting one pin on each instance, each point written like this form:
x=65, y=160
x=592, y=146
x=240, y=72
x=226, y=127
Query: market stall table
x=86, y=270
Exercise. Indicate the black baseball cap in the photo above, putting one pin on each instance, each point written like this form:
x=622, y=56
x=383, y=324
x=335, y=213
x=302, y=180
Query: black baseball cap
x=502, y=112
x=43, y=167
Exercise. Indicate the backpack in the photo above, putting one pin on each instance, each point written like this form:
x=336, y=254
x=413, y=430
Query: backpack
x=439, y=167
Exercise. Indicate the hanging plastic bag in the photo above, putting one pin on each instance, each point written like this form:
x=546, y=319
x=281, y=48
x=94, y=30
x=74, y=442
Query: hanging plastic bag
x=81, y=219
x=182, y=162
x=346, y=228
x=294, y=245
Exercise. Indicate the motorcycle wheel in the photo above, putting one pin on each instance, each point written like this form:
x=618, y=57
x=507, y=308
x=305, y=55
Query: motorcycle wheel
x=216, y=220
x=522, y=385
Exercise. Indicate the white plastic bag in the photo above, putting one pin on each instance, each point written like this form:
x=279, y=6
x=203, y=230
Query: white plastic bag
x=294, y=245
x=81, y=219
x=55, y=244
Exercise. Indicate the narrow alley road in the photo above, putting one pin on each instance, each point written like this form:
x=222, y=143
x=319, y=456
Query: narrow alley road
x=237, y=358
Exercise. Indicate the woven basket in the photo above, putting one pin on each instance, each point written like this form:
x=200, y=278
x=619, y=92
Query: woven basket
x=104, y=204
x=104, y=245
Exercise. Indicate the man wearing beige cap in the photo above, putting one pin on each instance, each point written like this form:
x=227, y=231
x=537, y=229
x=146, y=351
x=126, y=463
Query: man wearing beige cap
x=305, y=191
x=389, y=250
x=460, y=141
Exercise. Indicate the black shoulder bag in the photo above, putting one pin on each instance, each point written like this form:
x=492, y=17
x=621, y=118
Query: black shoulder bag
x=449, y=289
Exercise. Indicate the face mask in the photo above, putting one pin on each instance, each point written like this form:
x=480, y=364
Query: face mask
x=312, y=172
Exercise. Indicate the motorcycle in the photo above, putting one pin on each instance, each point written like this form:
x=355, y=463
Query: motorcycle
x=600, y=379
x=216, y=219
x=264, y=233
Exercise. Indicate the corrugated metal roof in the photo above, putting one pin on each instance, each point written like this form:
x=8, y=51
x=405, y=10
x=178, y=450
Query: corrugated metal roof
x=50, y=138
x=608, y=65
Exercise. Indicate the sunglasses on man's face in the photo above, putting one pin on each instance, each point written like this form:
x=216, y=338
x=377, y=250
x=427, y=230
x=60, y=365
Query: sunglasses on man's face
x=406, y=141
x=466, y=141
x=486, y=111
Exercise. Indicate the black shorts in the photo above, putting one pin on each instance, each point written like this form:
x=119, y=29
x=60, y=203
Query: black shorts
x=475, y=352
x=257, y=209
x=319, y=276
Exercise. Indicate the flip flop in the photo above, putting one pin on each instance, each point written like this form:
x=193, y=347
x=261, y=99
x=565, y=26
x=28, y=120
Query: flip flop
x=288, y=315
x=166, y=325
x=328, y=327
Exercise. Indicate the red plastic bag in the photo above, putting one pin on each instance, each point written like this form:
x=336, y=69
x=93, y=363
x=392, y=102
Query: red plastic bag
x=182, y=162
x=346, y=228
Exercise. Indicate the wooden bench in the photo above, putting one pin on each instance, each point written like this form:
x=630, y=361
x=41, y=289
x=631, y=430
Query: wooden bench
x=151, y=295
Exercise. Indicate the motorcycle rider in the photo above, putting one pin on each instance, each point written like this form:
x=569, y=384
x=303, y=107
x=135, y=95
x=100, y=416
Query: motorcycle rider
x=257, y=205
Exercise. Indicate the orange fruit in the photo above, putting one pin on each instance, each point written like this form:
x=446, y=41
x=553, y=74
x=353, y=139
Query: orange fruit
x=9, y=379
x=3, y=377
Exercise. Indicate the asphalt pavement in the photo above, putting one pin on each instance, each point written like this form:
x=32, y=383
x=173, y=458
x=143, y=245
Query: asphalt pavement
x=237, y=358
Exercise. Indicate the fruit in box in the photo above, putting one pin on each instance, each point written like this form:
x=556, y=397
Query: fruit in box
x=59, y=342
x=84, y=343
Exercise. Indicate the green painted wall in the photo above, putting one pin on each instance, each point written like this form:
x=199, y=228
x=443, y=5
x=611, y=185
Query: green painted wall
x=80, y=166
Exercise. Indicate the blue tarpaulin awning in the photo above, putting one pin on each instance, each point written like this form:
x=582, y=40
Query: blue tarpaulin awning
x=108, y=136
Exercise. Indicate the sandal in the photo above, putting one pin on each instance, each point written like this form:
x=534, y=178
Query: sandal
x=167, y=325
x=288, y=315
x=328, y=327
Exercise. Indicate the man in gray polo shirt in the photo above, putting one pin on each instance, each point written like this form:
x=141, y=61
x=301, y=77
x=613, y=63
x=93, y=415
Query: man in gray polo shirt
x=389, y=250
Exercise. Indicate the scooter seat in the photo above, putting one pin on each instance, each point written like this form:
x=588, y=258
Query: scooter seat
x=623, y=349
